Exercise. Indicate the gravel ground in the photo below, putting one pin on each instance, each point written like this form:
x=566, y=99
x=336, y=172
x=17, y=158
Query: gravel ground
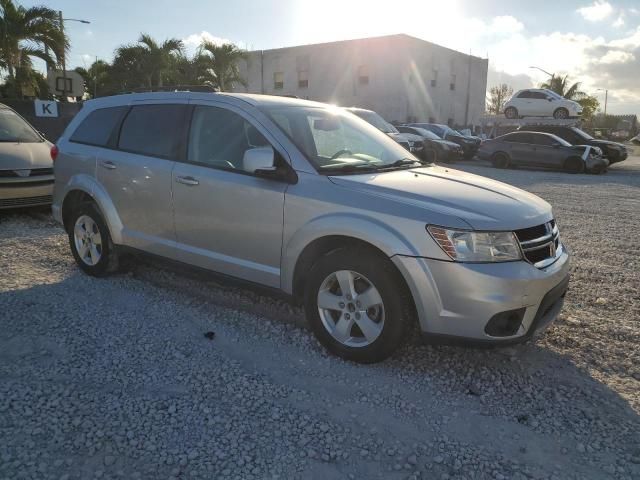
x=114, y=378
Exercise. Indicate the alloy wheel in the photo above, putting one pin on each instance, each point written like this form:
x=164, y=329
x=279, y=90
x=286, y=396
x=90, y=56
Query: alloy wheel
x=87, y=239
x=351, y=308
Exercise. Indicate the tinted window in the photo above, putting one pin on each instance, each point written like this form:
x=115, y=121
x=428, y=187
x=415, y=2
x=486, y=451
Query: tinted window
x=525, y=94
x=540, y=139
x=220, y=137
x=99, y=126
x=538, y=95
x=154, y=130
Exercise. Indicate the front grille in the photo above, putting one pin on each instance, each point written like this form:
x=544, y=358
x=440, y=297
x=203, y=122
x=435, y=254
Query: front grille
x=541, y=244
x=25, y=201
x=35, y=172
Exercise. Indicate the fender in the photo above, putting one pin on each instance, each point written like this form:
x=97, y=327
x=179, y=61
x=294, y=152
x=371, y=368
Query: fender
x=362, y=227
x=92, y=187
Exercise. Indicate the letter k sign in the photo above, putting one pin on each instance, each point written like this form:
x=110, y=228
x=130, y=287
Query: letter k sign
x=46, y=108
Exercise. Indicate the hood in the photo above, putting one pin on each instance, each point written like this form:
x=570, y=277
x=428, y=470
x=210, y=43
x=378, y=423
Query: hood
x=412, y=137
x=605, y=143
x=24, y=156
x=482, y=203
x=398, y=137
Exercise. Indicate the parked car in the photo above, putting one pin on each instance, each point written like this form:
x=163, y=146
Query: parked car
x=435, y=149
x=540, y=102
x=537, y=149
x=636, y=140
x=612, y=151
x=26, y=170
x=469, y=145
x=311, y=201
x=413, y=144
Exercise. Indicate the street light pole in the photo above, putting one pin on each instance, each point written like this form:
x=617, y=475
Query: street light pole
x=544, y=71
x=606, y=95
x=64, y=53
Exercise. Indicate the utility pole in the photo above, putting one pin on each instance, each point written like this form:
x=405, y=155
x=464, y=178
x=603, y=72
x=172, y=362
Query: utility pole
x=466, y=108
x=64, y=60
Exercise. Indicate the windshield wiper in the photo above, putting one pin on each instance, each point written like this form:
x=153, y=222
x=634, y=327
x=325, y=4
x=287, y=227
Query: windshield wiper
x=348, y=168
x=399, y=163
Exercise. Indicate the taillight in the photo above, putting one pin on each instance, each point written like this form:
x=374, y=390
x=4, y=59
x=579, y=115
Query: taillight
x=54, y=152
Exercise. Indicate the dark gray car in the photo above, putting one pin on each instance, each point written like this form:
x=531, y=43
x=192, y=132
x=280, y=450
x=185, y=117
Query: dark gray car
x=536, y=149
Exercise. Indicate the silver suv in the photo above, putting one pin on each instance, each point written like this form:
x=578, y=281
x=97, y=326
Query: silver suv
x=312, y=201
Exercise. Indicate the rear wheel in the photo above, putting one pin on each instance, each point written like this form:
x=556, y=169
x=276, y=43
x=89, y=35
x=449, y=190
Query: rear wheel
x=561, y=113
x=500, y=160
x=574, y=165
x=357, y=304
x=90, y=241
x=511, y=112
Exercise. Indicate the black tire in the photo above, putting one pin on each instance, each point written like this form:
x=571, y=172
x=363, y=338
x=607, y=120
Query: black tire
x=574, y=165
x=431, y=155
x=561, y=113
x=500, y=160
x=511, y=112
x=108, y=257
x=397, y=303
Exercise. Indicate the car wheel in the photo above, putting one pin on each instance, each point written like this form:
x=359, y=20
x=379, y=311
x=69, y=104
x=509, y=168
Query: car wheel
x=500, y=160
x=574, y=165
x=431, y=156
x=511, y=112
x=561, y=113
x=357, y=305
x=90, y=241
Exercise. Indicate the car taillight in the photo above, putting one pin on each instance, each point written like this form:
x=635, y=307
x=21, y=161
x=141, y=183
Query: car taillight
x=54, y=152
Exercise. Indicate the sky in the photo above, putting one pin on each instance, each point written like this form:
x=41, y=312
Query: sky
x=596, y=42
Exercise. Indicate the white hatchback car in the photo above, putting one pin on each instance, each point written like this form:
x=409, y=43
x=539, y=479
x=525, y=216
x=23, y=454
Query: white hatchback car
x=540, y=102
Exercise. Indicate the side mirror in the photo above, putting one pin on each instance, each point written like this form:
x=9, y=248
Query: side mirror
x=259, y=158
x=260, y=161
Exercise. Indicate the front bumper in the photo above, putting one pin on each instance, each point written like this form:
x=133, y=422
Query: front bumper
x=457, y=300
x=25, y=193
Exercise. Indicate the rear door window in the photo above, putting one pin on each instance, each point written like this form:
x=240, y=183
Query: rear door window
x=525, y=94
x=99, y=127
x=156, y=130
x=517, y=138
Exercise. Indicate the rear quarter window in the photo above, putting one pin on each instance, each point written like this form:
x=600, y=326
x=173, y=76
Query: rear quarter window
x=99, y=127
x=156, y=130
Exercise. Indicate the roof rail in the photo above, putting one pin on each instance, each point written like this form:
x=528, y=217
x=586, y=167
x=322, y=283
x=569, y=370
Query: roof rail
x=175, y=88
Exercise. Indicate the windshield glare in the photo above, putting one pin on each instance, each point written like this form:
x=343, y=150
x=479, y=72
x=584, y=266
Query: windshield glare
x=14, y=129
x=376, y=120
x=334, y=139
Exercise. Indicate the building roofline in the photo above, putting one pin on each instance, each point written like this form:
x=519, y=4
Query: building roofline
x=359, y=39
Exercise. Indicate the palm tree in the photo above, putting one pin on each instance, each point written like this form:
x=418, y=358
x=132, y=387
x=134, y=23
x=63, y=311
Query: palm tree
x=156, y=60
x=26, y=33
x=560, y=85
x=220, y=62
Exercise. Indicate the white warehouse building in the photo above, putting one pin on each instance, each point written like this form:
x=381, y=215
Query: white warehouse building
x=401, y=77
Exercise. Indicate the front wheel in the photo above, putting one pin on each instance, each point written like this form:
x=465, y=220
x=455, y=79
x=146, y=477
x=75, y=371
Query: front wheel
x=574, y=165
x=500, y=160
x=90, y=241
x=357, y=304
x=561, y=113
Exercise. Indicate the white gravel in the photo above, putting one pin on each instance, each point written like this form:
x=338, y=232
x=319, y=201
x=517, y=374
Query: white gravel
x=114, y=378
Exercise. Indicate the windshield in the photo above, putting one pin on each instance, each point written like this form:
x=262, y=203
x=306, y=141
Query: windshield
x=376, y=120
x=426, y=133
x=582, y=133
x=14, y=129
x=336, y=141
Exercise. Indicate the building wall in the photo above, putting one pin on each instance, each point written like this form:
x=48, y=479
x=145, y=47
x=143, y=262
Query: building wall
x=399, y=70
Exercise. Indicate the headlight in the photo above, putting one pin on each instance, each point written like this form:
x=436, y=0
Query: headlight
x=470, y=246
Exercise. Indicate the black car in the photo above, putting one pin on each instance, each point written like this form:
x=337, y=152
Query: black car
x=414, y=145
x=612, y=151
x=435, y=148
x=469, y=145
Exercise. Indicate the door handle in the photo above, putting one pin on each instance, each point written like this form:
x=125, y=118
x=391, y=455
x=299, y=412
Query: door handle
x=108, y=165
x=187, y=181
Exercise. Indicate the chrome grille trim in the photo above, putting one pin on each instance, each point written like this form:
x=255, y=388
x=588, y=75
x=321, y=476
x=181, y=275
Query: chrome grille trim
x=533, y=249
